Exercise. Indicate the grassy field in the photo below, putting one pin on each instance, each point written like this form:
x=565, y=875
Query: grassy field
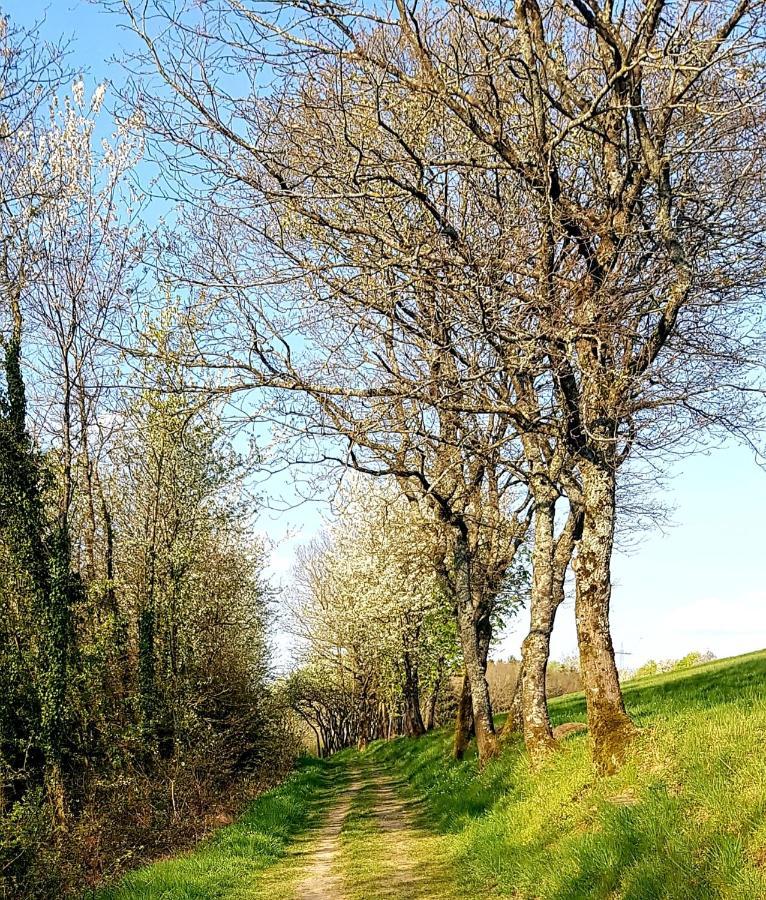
x=685, y=818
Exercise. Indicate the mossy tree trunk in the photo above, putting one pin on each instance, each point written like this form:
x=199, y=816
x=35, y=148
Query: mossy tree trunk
x=463, y=719
x=514, y=724
x=473, y=628
x=609, y=724
x=56, y=644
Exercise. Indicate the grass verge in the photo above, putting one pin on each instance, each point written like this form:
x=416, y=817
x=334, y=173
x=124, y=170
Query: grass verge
x=231, y=862
x=685, y=818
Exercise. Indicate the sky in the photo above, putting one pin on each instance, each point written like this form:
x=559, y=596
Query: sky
x=699, y=584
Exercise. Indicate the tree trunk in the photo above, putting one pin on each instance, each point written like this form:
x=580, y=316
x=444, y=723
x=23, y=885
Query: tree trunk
x=54, y=788
x=433, y=700
x=538, y=735
x=609, y=725
x=514, y=724
x=146, y=675
x=475, y=668
x=474, y=630
x=484, y=639
x=543, y=613
x=463, y=719
x=316, y=737
x=413, y=718
x=90, y=525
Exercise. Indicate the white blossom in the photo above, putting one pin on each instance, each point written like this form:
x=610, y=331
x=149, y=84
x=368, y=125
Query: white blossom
x=78, y=91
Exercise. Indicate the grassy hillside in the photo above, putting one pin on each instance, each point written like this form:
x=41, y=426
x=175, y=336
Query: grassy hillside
x=685, y=818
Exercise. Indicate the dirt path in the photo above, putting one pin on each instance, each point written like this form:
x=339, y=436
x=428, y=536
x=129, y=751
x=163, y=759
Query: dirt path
x=408, y=873
x=414, y=864
x=370, y=847
x=321, y=878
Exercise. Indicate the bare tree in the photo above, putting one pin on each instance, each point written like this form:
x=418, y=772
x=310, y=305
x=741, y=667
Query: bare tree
x=86, y=248
x=31, y=71
x=545, y=197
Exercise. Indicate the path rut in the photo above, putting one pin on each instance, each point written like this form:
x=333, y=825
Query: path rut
x=321, y=878
x=407, y=866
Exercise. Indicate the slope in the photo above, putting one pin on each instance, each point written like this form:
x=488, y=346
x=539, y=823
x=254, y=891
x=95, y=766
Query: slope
x=685, y=818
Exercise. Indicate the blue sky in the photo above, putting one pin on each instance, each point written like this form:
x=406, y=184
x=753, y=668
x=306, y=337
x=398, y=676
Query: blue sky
x=699, y=585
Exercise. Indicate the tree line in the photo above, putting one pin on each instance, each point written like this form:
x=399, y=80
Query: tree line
x=371, y=608
x=134, y=658
x=497, y=254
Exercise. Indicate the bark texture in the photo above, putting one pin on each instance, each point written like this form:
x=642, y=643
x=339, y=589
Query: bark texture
x=474, y=628
x=463, y=719
x=551, y=560
x=514, y=724
x=609, y=724
x=413, y=718
x=538, y=735
x=475, y=667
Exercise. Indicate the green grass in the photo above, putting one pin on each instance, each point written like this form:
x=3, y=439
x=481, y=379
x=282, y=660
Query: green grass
x=384, y=855
x=685, y=819
x=230, y=864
